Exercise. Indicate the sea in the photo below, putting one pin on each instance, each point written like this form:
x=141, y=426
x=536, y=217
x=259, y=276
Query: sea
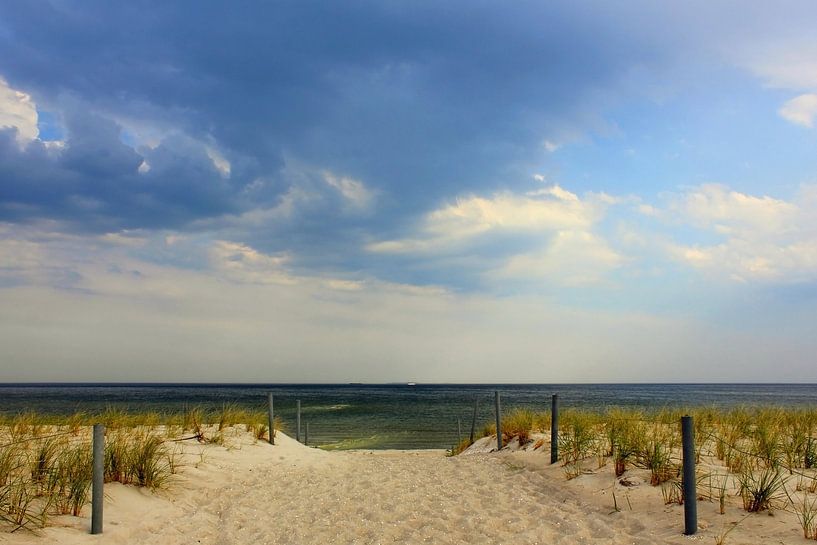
x=391, y=416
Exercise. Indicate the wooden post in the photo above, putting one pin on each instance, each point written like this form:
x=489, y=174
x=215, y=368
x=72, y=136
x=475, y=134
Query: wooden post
x=459, y=431
x=498, y=421
x=298, y=423
x=688, y=479
x=98, y=479
x=474, y=420
x=554, y=428
x=306, y=437
x=271, y=418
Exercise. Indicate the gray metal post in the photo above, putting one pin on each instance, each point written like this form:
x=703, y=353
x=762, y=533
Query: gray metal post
x=498, y=421
x=688, y=480
x=97, y=483
x=298, y=423
x=306, y=437
x=271, y=418
x=554, y=428
x=474, y=420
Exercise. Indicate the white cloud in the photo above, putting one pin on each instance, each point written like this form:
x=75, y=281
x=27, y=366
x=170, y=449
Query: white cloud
x=355, y=193
x=17, y=109
x=716, y=206
x=760, y=237
x=801, y=110
x=545, y=210
x=242, y=263
x=556, y=224
x=551, y=146
x=786, y=64
x=219, y=161
x=573, y=258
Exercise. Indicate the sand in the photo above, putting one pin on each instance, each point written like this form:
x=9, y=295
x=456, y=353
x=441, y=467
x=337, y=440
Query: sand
x=254, y=493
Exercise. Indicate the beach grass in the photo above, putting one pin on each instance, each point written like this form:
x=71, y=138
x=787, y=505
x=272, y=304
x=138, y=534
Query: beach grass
x=46, y=465
x=767, y=455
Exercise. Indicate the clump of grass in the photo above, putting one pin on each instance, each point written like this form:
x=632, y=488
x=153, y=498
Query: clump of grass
x=488, y=429
x=117, y=458
x=622, y=432
x=139, y=458
x=17, y=505
x=11, y=458
x=653, y=451
x=229, y=415
x=806, y=511
x=520, y=423
x=577, y=441
x=460, y=447
x=148, y=462
x=672, y=491
x=44, y=457
x=717, y=484
x=70, y=481
x=761, y=489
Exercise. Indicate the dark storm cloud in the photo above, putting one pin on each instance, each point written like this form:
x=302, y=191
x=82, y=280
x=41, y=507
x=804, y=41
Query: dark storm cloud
x=420, y=100
x=94, y=184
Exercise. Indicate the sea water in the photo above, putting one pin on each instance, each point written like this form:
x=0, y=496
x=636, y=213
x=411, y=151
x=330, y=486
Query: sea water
x=379, y=416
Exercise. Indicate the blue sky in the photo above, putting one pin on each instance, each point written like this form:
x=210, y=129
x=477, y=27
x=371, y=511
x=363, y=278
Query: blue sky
x=369, y=191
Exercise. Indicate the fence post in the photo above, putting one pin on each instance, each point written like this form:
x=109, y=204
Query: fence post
x=271, y=419
x=498, y=421
x=97, y=493
x=459, y=431
x=474, y=420
x=298, y=422
x=688, y=481
x=306, y=437
x=554, y=428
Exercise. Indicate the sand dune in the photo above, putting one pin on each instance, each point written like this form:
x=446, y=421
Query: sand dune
x=290, y=494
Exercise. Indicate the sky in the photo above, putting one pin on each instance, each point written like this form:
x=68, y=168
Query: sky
x=408, y=191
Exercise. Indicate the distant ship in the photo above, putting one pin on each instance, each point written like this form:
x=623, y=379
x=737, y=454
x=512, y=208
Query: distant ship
x=411, y=384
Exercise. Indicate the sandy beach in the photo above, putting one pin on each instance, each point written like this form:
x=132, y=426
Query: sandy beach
x=251, y=492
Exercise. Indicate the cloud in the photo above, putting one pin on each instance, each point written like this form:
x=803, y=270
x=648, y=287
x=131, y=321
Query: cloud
x=357, y=196
x=801, y=110
x=551, y=146
x=715, y=206
x=410, y=107
x=756, y=237
x=179, y=324
x=18, y=111
x=95, y=182
x=573, y=258
x=789, y=61
x=544, y=210
x=544, y=234
x=241, y=263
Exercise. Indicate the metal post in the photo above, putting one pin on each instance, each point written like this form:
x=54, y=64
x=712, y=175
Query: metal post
x=271, y=419
x=459, y=430
x=688, y=480
x=554, y=428
x=474, y=420
x=498, y=421
x=97, y=493
x=298, y=423
x=306, y=437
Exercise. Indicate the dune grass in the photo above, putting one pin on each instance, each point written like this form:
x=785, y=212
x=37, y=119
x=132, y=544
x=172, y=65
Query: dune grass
x=46, y=465
x=768, y=454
